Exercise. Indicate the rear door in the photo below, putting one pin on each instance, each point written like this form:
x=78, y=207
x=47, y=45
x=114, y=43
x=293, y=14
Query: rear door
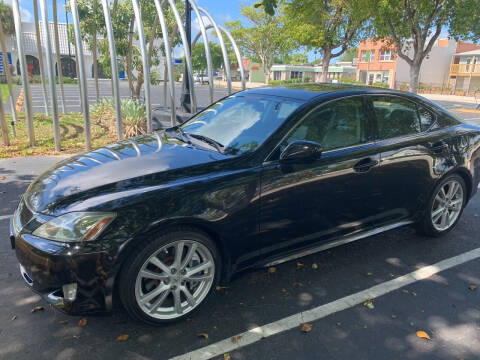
x=412, y=154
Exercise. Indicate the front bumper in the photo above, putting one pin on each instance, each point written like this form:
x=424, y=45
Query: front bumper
x=46, y=266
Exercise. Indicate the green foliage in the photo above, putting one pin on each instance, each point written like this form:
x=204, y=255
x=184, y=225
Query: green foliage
x=350, y=54
x=268, y=5
x=380, y=84
x=264, y=39
x=465, y=21
x=6, y=18
x=155, y=77
x=296, y=59
x=199, y=60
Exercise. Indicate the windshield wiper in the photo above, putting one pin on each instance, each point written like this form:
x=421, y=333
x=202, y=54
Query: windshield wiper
x=178, y=133
x=207, y=140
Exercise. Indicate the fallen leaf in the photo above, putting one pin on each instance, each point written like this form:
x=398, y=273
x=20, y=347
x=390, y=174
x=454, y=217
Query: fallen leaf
x=369, y=273
x=3, y=177
x=236, y=338
x=284, y=290
x=414, y=293
x=369, y=304
x=218, y=288
x=271, y=270
x=214, y=327
x=14, y=317
x=63, y=322
x=423, y=335
x=203, y=336
x=314, y=266
x=226, y=356
x=472, y=287
x=306, y=327
x=299, y=284
x=394, y=316
x=405, y=291
x=339, y=323
x=123, y=337
x=242, y=303
x=262, y=297
x=299, y=265
x=37, y=308
x=82, y=322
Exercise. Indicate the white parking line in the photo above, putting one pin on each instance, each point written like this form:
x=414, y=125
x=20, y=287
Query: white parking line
x=293, y=321
x=4, y=217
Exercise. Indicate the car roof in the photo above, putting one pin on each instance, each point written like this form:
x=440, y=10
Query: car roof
x=308, y=92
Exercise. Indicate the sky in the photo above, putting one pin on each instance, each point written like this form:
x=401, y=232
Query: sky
x=221, y=10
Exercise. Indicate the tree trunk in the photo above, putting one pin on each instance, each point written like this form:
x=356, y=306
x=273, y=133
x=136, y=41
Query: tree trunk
x=414, y=72
x=6, y=68
x=152, y=39
x=138, y=88
x=327, y=55
x=129, y=57
x=267, y=76
x=3, y=124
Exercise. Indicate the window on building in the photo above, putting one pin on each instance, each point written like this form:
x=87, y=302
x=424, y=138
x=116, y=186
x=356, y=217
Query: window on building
x=364, y=56
x=372, y=55
x=277, y=75
x=296, y=75
x=385, y=77
x=368, y=55
x=386, y=55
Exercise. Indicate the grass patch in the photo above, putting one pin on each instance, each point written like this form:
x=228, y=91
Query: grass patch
x=71, y=133
x=4, y=89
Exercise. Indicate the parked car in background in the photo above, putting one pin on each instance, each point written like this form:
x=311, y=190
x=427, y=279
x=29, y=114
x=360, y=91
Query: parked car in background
x=201, y=78
x=258, y=178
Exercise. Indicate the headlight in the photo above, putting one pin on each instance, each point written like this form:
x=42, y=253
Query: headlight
x=75, y=226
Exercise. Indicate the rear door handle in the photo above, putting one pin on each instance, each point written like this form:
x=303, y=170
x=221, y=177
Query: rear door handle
x=365, y=164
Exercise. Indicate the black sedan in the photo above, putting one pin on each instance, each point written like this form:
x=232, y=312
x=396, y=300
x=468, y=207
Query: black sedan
x=258, y=178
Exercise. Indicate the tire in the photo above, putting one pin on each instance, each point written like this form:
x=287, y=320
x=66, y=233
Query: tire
x=431, y=225
x=156, y=287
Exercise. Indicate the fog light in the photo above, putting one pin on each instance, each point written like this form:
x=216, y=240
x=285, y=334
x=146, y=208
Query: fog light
x=70, y=291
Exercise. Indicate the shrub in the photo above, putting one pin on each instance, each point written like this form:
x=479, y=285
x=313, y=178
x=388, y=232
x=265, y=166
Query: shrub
x=381, y=84
x=133, y=116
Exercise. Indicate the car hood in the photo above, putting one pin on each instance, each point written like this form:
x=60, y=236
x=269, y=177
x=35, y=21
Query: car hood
x=140, y=161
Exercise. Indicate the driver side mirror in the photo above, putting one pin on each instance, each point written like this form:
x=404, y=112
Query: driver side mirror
x=301, y=151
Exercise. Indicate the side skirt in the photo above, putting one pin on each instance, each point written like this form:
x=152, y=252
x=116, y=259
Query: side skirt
x=335, y=243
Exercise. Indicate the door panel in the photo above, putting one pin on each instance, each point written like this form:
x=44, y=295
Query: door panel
x=333, y=195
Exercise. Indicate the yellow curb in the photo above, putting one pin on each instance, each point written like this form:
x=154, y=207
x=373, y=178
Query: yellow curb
x=471, y=111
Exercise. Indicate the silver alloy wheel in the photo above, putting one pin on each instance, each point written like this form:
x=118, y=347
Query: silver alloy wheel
x=175, y=279
x=447, y=205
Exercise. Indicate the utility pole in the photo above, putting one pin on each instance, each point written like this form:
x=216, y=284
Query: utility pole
x=186, y=101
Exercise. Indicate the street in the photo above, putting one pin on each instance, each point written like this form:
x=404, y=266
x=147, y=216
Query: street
x=445, y=304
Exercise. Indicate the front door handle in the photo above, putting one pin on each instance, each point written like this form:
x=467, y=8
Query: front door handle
x=365, y=164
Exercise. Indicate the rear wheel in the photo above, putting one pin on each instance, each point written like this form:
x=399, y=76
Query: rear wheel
x=170, y=277
x=445, y=206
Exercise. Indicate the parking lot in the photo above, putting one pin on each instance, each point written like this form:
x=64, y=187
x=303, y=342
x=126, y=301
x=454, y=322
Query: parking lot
x=259, y=315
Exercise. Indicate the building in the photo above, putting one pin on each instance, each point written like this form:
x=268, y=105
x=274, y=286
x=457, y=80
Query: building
x=336, y=72
x=464, y=71
x=378, y=62
x=67, y=53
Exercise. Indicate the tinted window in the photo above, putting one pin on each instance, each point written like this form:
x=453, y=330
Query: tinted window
x=335, y=125
x=427, y=119
x=241, y=123
x=395, y=117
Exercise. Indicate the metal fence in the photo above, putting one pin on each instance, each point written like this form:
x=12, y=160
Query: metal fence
x=50, y=91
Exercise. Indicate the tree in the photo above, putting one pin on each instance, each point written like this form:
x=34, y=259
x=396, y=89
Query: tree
x=350, y=54
x=264, y=39
x=414, y=26
x=92, y=23
x=296, y=59
x=332, y=26
x=199, y=60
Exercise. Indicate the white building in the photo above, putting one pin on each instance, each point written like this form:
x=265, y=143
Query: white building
x=67, y=53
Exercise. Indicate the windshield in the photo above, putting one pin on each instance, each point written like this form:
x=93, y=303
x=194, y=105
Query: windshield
x=240, y=123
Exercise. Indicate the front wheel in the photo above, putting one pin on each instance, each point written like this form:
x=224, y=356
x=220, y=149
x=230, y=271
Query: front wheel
x=445, y=206
x=168, y=278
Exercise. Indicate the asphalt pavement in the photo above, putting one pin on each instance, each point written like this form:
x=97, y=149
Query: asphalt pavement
x=445, y=305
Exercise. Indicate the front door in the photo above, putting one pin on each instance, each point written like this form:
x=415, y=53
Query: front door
x=334, y=195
